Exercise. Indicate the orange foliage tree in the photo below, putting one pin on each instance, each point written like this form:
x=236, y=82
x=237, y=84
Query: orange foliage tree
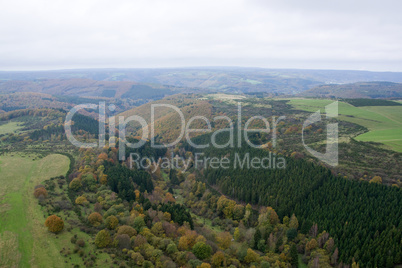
x=54, y=224
x=95, y=218
x=40, y=192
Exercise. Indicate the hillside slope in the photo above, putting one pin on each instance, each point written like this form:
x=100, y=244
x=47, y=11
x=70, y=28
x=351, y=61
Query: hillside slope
x=88, y=88
x=165, y=118
x=356, y=90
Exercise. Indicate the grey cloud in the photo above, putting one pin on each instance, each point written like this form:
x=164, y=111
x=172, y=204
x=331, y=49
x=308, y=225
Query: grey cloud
x=285, y=34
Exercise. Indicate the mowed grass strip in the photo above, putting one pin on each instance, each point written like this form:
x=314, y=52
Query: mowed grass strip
x=22, y=231
x=384, y=122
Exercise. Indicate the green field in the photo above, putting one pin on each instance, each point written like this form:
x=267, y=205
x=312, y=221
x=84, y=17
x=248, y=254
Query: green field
x=384, y=122
x=10, y=127
x=24, y=240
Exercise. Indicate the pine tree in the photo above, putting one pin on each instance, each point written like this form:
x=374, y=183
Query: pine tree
x=294, y=256
x=257, y=238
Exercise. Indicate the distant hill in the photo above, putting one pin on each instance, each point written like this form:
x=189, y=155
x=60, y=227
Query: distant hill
x=87, y=88
x=28, y=100
x=371, y=90
x=109, y=82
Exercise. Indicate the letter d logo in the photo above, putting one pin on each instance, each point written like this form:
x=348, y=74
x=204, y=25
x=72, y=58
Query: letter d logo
x=331, y=155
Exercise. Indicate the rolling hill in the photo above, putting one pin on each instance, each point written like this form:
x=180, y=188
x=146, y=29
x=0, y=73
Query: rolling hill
x=210, y=79
x=88, y=88
x=167, y=121
x=356, y=90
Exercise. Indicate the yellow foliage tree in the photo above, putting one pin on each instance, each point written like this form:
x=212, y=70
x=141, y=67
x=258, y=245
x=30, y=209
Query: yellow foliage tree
x=224, y=240
x=236, y=234
x=75, y=184
x=251, y=256
x=312, y=244
x=112, y=222
x=103, y=179
x=81, y=200
x=183, y=243
x=204, y=265
x=376, y=179
x=218, y=259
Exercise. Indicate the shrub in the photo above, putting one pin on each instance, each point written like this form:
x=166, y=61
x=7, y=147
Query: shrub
x=40, y=192
x=95, y=218
x=376, y=179
x=81, y=243
x=54, y=224
x=64, y=204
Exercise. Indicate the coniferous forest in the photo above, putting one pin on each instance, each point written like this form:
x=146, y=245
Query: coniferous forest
x=364, y=218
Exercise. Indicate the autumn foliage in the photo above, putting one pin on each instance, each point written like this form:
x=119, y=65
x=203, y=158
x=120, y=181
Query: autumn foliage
x=103, y=239
x=112, y=222
x=376, y=179
x=81, y=200
x=75, y=184
x=40, y=192
x=128, y=230
x=54, y=224
x=95, y=218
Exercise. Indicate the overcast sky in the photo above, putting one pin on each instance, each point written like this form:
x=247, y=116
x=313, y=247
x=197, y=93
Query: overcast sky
x=314, y=34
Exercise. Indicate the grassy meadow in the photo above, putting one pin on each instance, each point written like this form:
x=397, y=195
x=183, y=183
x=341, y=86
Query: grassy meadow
x=384, y=122
x=24, y=240
x=10, y=127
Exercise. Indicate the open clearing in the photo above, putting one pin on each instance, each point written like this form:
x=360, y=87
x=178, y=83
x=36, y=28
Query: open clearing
x=10, y=127
x=222, y=96
x=384, y=122
x=24, y=240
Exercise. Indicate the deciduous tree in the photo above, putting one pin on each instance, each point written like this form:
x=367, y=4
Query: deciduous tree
x=95, y=218
x=103, y=239
x=201, y=250
x=128, y=230
x=224, y=240
x=111, y=222
x=40, y=192
x=251, y=256
x=218, y=259
x=75, y=184
x=54, y=224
